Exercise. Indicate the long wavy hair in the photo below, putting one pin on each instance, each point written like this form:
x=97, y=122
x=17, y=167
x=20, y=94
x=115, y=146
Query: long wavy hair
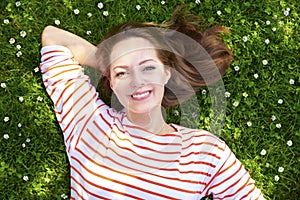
x=195, y=55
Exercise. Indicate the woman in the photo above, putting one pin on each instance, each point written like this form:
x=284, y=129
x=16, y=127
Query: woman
x=134, y=153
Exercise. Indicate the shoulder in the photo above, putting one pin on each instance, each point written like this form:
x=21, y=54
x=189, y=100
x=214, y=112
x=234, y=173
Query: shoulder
x=200, y=137
x=203, y=143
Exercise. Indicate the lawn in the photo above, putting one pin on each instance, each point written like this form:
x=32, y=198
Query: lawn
x=262, y=122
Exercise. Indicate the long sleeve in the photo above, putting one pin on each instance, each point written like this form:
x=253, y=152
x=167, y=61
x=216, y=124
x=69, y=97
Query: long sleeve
x=232, y=181
x=75, y=99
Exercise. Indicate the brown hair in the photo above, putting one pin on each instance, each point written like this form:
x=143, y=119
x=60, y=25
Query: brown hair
x=196, y=57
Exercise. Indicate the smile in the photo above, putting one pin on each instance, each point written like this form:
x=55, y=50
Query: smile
x=141, y=96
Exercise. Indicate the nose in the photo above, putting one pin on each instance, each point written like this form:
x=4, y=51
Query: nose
x=137, y=79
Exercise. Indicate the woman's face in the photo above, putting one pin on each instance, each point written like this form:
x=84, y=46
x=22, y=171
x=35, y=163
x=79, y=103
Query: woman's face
x=137, y=76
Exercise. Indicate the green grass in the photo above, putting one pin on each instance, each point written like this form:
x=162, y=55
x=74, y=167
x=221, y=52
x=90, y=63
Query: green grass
x=43, y=159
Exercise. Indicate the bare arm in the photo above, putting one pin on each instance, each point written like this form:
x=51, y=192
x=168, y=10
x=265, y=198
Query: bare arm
x=82, y=50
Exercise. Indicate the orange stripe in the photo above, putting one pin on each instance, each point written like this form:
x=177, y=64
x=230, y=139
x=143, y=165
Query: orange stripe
x=62, y=72
x=58, y=64
x=55, y=66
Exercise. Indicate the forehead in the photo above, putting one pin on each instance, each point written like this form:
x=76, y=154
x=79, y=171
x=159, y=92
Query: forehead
x=132, y=48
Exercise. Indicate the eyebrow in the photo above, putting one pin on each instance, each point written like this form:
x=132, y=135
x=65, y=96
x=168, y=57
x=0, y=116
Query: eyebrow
x=140, y=63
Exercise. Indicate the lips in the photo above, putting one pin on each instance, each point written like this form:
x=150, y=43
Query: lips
x=141, y=95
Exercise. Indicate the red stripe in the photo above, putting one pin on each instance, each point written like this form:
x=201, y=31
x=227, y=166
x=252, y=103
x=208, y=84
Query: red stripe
x=46, y=59
x=201, y=135
x=53, y=51
x=70, y=134
x=198, y=144
x=145, y=139
x=78, y=183
x=76, y=102
x=67, y=86
x=233, y=185
x=122, y=183
x=200, y=153
x=74, y=189
x=137, y=177
x=105, y=121
x=246, y=195
x=223, y=181
x=139, y=146
x=199, y=162
x=57, y=64
x=134, y=161
x=154, y=142
x=140, y=128
x=205, y=135
x=165, y=177
x=97, y=186
x=213, y=178
x=83, y=129
x=52, y=92
x=116, y=162
x=98, y=141
x=227, y=168
x=75, y=115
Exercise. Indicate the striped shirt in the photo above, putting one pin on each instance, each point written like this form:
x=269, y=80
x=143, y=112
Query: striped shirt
x=111, y=158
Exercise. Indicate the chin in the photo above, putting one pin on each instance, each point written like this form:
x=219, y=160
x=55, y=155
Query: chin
x=143, y=108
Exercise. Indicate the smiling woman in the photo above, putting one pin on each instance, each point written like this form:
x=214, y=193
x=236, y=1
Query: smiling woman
x=133, y=153
x=138, y=78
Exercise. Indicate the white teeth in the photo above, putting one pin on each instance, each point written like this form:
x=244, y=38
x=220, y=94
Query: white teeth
x=140, y=95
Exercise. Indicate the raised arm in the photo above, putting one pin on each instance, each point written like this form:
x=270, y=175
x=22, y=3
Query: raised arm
x=82, y=50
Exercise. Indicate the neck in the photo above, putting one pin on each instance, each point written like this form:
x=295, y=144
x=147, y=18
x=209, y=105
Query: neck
x=151, y=121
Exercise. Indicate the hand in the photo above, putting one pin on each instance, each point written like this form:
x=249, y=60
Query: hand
x=82, y=50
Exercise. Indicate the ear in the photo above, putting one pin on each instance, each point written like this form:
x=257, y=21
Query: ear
x=111, y=85
x=168, y=74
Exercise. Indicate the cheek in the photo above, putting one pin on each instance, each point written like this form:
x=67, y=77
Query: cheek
x=118, y=86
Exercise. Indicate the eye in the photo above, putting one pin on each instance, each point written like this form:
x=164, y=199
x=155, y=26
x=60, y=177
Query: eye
x=148, y=68
x=120, y=74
